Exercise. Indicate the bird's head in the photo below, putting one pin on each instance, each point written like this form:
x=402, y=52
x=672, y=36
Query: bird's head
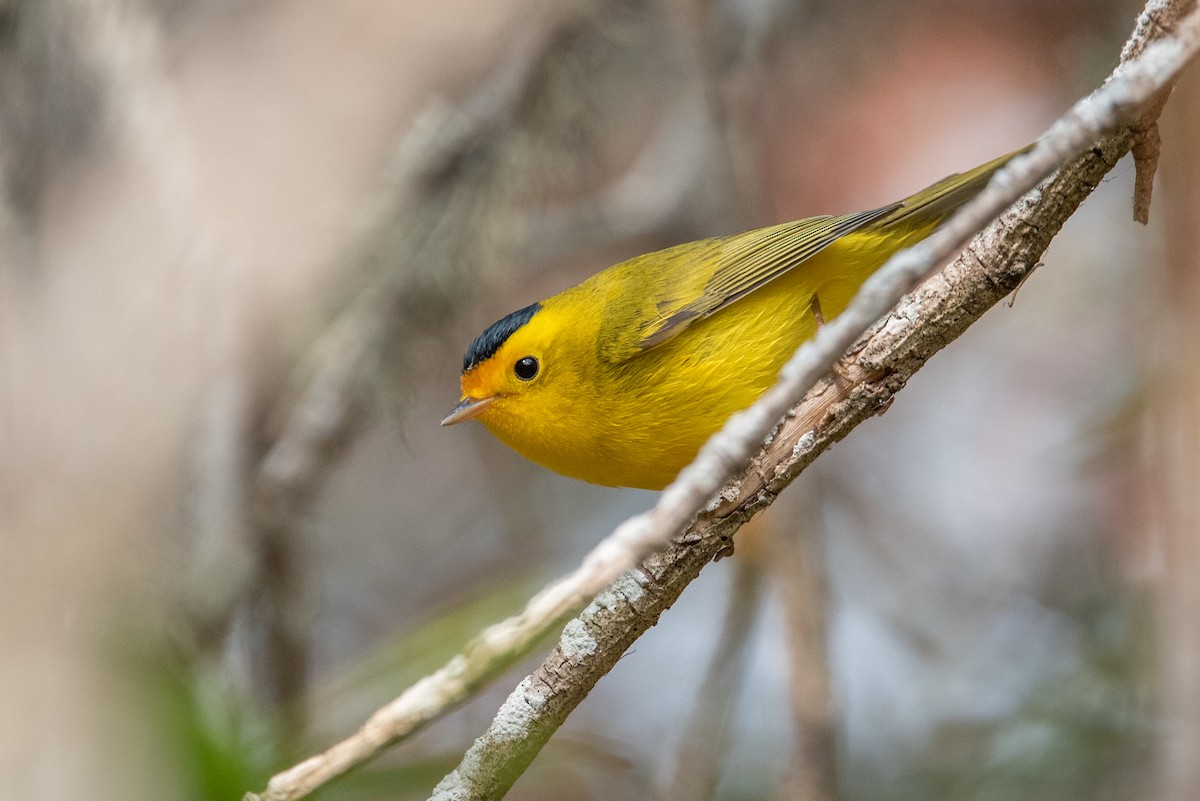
x=509, y=367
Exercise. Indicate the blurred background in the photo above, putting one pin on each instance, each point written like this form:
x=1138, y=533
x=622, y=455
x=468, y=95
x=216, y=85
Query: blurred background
x=244, y=245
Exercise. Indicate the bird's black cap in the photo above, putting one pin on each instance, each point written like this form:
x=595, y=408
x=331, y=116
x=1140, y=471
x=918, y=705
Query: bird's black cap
x=496, y=334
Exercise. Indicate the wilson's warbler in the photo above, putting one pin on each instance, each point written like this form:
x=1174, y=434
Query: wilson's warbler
x=620, y=379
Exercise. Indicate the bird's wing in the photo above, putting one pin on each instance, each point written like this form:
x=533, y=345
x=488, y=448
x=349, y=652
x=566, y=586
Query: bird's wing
x=745, y=262
x=658, y=296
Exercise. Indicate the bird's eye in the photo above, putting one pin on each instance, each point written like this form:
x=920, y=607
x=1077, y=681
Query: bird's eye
x=526, y=368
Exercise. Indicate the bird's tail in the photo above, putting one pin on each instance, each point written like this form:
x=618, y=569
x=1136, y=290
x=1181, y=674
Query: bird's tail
x=934, y=203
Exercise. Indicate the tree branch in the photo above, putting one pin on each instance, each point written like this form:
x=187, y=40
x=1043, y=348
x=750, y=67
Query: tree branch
x=934, y=315
x=993, y=266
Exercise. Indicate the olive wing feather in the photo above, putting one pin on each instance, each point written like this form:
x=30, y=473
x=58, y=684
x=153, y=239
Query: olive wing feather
x=682, y=285
x=656, y=297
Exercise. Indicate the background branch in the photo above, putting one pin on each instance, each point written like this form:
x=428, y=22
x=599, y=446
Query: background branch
x=798, y=566
x=704, y=749
x=1171, y=469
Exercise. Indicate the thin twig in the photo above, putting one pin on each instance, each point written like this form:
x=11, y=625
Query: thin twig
x=932, y=317
x=1158, y=16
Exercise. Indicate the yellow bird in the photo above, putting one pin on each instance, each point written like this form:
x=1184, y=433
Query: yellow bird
x=620, y=379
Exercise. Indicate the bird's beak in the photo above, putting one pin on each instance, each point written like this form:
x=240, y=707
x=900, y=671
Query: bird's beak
x=466, y=409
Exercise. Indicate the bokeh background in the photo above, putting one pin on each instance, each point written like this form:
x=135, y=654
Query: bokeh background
x=243, y=246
